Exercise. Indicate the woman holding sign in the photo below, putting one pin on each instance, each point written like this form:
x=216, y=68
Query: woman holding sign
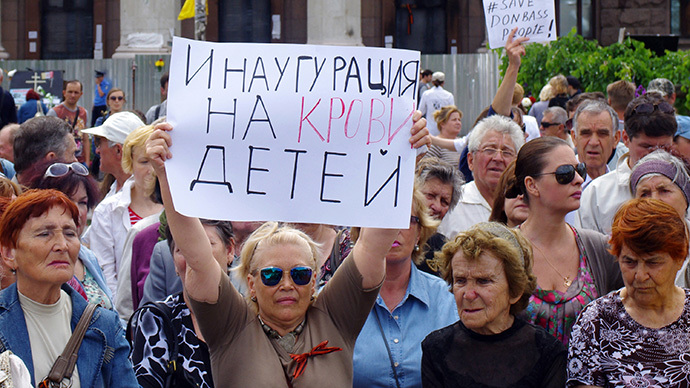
x=282, y=335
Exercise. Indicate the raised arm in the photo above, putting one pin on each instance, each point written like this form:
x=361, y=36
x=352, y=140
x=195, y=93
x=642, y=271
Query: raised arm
x=373, y=244
x=504, y=95
x=203, y=272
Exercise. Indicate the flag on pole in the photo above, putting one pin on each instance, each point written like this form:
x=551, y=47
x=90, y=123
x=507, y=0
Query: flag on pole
x=187, y=10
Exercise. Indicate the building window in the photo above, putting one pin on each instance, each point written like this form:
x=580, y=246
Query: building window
x=575, y=14
x=244, y=21
x=66, y=29
x=421, y=25
x=680, y=17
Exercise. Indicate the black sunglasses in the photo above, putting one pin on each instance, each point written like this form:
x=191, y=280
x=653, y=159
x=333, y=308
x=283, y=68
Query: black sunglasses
x=648, y=108
x=119, y=98
x=512, y=191
x=547, y=124
x=271, y=276
x=566, y=173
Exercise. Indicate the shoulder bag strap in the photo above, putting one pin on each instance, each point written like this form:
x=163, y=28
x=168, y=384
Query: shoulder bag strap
x=388, y=349
x=64, y=365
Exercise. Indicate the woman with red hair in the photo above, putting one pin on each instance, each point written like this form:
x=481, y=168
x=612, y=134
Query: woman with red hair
x=31, y=107
x=38, y=313
x=638, y=335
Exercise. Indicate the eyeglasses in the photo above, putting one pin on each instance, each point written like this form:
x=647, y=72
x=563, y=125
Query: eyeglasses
x=119, y=98
x=57, y=170
x=271, y=276
x=491, y=152
x=547, y=124
x=648, y=108
x=566, y=173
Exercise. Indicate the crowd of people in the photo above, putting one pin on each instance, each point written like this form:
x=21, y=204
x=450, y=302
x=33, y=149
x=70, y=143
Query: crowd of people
x=547, y=247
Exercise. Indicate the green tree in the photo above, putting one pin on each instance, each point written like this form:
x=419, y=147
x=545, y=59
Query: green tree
x=596, y=66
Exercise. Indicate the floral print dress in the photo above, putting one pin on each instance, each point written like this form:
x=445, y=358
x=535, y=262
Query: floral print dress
x=609, y=348
x=557, y=311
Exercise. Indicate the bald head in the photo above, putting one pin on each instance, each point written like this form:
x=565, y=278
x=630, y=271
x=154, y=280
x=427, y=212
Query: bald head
x=7, y=141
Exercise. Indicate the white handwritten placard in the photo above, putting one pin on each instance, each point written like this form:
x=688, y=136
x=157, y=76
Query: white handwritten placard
x=295, y=133
x=535, y=19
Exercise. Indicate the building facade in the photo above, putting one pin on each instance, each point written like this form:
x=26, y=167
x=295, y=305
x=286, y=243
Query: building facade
x=78, y=29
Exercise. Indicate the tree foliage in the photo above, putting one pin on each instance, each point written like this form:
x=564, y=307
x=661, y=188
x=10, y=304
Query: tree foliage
x=596, y=66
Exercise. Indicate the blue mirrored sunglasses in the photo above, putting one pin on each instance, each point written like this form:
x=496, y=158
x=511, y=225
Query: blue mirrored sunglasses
x=271, y=276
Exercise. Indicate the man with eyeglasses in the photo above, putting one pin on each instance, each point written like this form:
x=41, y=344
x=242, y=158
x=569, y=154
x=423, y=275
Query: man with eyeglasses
x=650, y=123
x=492, y=145
x=109, y=138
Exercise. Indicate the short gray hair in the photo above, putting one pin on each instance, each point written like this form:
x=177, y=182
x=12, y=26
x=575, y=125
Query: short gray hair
x=497, y=123
x=559, y=114
x=433, y=167
x=596, y=107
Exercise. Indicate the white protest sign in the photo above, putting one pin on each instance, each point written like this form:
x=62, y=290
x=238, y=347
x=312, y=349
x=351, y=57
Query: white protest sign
x=295, y=133
x=535, y=19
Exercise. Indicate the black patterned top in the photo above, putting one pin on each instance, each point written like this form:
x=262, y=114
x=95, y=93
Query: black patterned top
x=608, y=348
x=150, y=352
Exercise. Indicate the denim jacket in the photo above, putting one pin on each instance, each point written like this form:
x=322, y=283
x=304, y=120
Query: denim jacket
x=104, y=353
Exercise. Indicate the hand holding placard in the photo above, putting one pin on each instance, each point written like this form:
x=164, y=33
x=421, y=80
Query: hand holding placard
x=534, y=19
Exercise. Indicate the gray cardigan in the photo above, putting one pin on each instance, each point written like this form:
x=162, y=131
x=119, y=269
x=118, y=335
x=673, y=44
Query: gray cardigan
x=604, y=266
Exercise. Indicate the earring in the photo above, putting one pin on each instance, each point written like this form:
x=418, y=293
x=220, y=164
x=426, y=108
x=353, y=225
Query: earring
x=416, y=247
x=312, y=297
x=253, y=298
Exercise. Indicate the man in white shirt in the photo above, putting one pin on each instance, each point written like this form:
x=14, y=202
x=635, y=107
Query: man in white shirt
x=435, y=99
x=109, y=138
x=595, y=133
x=492, y=145
x=649, y=123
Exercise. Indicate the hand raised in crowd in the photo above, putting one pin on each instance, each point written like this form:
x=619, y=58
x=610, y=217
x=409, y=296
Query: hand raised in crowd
x=515, y=49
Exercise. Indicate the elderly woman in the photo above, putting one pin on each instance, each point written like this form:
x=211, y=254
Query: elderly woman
x=170, y=326
x=74, y=181
x=489, y=270
x=40, y=243
x=441, y=184
x=509, y=207
x=663, y=176
x=572, y=265
x=449, y=122
x=116, y=215
x=283, y=335
x=411, y=305
x=638, y=336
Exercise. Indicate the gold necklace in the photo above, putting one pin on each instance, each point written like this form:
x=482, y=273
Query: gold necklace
x=566, y=279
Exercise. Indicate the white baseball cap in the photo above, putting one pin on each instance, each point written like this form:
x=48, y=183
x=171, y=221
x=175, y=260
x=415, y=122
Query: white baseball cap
x=116, y=127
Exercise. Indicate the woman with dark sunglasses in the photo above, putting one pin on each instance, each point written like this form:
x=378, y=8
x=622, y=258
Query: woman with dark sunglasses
x=283, y=335
x=572, y=265
x=116, y=103
x=509, y=207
